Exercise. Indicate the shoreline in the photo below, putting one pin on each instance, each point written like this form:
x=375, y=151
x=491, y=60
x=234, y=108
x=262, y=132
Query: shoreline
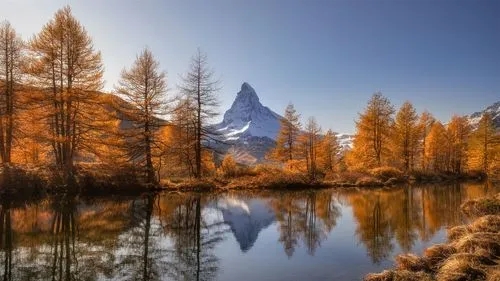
x=22, y=180
x=472, y=251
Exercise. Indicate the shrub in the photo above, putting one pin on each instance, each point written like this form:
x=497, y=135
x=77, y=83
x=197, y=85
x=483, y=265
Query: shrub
x=368, y=181
x=385, y=173
x=350, y=176
x=228, y=167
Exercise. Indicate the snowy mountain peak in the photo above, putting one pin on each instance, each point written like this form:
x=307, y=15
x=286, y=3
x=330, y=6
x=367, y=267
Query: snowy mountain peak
x=246, y=88
x=493, y=110
x=248, y=117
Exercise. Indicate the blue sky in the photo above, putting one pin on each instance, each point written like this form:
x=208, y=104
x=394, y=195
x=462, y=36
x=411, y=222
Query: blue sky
x=326, y=57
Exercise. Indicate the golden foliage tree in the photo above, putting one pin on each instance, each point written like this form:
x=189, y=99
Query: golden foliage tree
x=484, y=146
x=373, y=131
x=181, y=141
x=69, y=71
x=437, y=147
x=328, y=151
x=458, y=131
x=199, y=86
x=424, y=126
x=286, y=141
x=11, y=51
x=405, y=136
x=144, y=87
x=310, y=143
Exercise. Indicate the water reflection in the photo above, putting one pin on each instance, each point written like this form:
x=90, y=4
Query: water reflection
x=307, y=216
x=193, y=236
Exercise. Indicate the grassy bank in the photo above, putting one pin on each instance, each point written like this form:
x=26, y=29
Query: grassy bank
x=271, y=177
x=99, y=179
x=471, y=253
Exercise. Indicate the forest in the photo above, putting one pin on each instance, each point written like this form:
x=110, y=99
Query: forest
x=57, y=124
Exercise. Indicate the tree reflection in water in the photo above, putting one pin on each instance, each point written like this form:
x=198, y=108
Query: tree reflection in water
x=176, y=236
x=194, y=238
x=6, y=240
x=298, y=213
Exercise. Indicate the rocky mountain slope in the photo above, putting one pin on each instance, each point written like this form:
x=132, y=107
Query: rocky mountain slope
x=249, y=129
x=493, y=110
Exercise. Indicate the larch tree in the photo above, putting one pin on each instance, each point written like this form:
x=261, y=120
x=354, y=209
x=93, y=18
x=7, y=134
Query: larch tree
x=437, y=147
x=458, y=131
x=69, y=71
x=425, y=123
x=183, y=138
x=405, y=136
x=373, y=131
x=484, y=146
x=144, y=87
x=199, y=86
x=328, y=151
x=286, y=141
x=311, y=139
x=11, y=51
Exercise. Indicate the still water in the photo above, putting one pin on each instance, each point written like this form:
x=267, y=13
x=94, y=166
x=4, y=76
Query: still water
x=335, y=234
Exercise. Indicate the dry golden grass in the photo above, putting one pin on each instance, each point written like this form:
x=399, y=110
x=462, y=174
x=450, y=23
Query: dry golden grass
x=457, y=232
x=481, y=242
x=494, y=274
x=462, y=267
x=436, y=254
x=399, y=275
x=488, y=223
x=411, y=262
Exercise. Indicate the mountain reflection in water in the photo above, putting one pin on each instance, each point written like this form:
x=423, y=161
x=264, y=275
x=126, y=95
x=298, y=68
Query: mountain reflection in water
x=295, y=235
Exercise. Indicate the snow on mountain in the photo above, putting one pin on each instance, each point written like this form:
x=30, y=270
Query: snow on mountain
x=246, y=218
x=249, y=128
x=248, y=117
x=493, y=110
x=345, y=141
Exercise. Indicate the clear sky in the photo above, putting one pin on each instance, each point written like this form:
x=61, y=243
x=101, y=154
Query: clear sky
x=325, y=56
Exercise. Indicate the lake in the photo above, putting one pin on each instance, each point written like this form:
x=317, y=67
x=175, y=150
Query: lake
x=330, y=234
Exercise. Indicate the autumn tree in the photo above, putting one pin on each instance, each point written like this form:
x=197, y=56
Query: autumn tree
x=310, y=144
x=69, y=71
x=176, y=141
x=328, y=151
x=437, y=147
x=405, y=135
x=484, y=146
x=373, y=132
x=144, y=87
x=424, y=125
x=11, y=50
x=458, y=131
x=200, y=87
x=286, y=141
